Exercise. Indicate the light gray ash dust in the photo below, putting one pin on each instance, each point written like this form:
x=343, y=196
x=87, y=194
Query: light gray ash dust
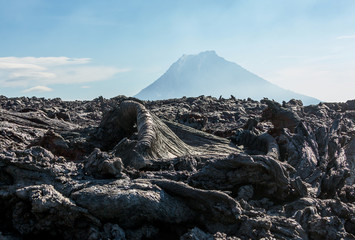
x=187, y=168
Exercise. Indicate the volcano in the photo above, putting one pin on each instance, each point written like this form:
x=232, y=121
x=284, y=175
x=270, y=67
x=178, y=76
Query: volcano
x=209, y=74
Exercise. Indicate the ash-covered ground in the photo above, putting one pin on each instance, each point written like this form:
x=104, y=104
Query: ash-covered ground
x=189, y=168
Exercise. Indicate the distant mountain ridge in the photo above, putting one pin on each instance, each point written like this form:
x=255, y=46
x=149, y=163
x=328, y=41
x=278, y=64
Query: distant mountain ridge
x=209, y=74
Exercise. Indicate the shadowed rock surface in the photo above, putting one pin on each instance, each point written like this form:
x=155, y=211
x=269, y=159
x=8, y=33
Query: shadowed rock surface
x=188, y=168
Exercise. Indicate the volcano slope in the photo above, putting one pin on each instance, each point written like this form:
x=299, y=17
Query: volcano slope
x=189, y=168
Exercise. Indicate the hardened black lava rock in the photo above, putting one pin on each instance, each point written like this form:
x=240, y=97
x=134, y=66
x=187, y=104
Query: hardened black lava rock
x=188, y=168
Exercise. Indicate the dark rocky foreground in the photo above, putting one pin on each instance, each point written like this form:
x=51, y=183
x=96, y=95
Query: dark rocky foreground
x=189, y=168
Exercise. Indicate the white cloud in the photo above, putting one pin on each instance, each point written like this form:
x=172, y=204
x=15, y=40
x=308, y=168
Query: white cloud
x=85, y=87
x=16, y=65
x=38, y=89
x=346, y=37
x=42, y=71
x=45, y=61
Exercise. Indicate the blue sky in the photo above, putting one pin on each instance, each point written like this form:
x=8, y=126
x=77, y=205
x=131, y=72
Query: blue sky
x=81, y=49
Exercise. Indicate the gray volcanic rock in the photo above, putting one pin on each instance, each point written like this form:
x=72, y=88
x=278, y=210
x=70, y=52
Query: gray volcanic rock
x=189, y=168
x=208, y=74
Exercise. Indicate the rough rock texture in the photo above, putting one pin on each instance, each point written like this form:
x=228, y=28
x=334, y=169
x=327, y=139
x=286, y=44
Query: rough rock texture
x=189, y=168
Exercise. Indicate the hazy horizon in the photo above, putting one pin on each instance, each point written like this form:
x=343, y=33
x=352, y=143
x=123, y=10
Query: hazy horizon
x=85, y=49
